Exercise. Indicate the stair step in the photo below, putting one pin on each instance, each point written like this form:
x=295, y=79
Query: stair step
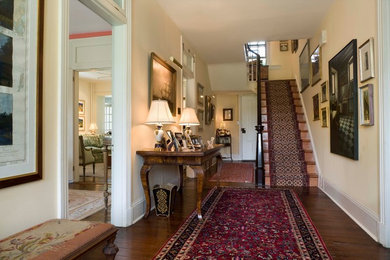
x=296, y=95
x=265, y=146
x=311, y=169
x=264, y=110
x=307, y=146
x=299, y=110
x=301, y=118
x=265, y=126
x=297, y=102
x=305, y=135
x=313, y=180
x=302, y=126
x=263, y=103
x=264, y=118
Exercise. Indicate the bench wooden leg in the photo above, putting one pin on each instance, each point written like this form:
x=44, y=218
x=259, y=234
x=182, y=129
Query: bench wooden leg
x=110, y=249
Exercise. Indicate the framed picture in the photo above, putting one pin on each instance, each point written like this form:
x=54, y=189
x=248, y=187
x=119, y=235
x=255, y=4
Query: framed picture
x=172, y=140
x=81, y=107
x=228, y=114
x=200, y=113
x=209, y=110
x=343, y=105
x=283, y=45
x=304, y=67
x=367, y=105
x=162, y=82
x=196, y=141
x=81, y=123
x=179, y=138
x=316, y=108
x=366, y=57
x=315, y=65
x=324, y=92
x=21, y=48
x=294, y=46
x=200, y=95
x=324, y=117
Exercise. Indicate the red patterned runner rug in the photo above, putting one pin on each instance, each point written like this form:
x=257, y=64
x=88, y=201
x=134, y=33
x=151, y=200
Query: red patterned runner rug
x=236, y=172
x=247, y=224
x=286, y=156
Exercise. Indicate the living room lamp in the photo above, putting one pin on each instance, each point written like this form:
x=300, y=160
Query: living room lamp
x=159, y=115
x=93, y=128
x=188, y=118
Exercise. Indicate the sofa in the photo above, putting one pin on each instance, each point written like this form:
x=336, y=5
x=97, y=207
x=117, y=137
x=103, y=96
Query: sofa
x=96, y=143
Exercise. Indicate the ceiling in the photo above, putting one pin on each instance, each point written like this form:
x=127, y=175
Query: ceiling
x=217, y=29
x=83, y=20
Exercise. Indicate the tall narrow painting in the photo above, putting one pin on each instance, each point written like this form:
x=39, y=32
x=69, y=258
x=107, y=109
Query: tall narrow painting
x=344, y=102
x=21, y=39
x=304, y=67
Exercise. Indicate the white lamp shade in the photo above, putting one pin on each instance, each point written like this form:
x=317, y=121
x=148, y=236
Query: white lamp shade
x=188, y=117
x=159, y=113
x=93, y=127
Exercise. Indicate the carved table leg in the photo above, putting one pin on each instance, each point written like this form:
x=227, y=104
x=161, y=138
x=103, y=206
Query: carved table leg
x=199, y=171
x=110, y=249
x=145, y=184
x=181, y=172
x=219, y=166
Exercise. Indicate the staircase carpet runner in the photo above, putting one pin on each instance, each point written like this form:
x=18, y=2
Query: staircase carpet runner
x=236, y=172
x=247, y=224
x=286, y=156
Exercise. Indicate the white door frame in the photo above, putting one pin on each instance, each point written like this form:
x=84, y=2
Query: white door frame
x=384, y=122
x=121, y=80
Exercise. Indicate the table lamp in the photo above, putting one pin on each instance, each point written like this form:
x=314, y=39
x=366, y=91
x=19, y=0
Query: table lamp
x=93, y=128
x=188, y=118
x=159, y=115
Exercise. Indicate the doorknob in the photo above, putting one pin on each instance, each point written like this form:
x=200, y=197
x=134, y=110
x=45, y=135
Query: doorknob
x=243, y=130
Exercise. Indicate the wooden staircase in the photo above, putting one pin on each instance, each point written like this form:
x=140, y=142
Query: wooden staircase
x=305, y=137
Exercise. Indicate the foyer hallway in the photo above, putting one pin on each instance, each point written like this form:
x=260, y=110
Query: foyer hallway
x=343, y=237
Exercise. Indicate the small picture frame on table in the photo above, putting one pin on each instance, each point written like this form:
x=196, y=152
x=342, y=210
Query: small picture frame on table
x=367, y=105
x=366, y=57
x=172, y=142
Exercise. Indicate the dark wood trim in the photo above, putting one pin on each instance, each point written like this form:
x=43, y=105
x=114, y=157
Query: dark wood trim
x=37, y=174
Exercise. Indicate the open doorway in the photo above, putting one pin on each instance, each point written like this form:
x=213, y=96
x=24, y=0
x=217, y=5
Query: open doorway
x=90, y=57
x=90, y=185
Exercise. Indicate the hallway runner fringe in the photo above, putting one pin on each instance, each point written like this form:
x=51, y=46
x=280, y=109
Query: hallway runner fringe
x=236, y=172
x=286, y=156
x=243, y=223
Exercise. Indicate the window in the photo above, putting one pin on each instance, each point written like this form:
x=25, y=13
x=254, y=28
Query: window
x=107, y=114
x=259, y=48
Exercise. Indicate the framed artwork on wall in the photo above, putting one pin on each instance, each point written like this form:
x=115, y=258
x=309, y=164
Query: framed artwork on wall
x=316, y=108
x=367, y=105
x=209, y=110
x=343, y=105
x=199, y=114
x=324, y=92
x=324, y=117
x=21, y=49
x=162, y=82
x=315, y=65
x=304, y=67
x=366, y=57
x=81, y=107
x=200, y=95
x=81, y=123
x=228, y=114
x=283, y=45
x=294, y=46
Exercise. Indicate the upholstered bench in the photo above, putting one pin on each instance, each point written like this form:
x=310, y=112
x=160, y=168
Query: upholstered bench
x=62, y=239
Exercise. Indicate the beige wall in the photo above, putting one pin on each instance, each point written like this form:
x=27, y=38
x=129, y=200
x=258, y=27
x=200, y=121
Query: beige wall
x=28, y=204
x=229, y=76
x=357, y=180
x=280, y=62
x=162, y=36
x=229, y=101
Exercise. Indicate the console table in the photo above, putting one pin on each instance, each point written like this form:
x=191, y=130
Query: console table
x=194, y=159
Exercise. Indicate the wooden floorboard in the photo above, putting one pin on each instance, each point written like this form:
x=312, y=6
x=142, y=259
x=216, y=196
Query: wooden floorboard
x=342, y=236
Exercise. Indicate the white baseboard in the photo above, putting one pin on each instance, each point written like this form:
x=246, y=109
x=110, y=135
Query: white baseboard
x=138, y=209
x=364, y=217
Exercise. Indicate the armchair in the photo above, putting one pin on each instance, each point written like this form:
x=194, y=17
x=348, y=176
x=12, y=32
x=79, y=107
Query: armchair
x=85, y=156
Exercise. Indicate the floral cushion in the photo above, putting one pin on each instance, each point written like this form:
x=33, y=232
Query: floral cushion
x=54, y=239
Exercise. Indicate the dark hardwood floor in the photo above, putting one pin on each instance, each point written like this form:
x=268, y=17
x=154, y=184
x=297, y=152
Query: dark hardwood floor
x=343, y=238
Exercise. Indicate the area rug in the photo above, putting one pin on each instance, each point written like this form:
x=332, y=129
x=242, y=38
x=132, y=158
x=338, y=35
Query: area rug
x=84, y=203
x=236, y=172
x=286, y=156
x=247, y=224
